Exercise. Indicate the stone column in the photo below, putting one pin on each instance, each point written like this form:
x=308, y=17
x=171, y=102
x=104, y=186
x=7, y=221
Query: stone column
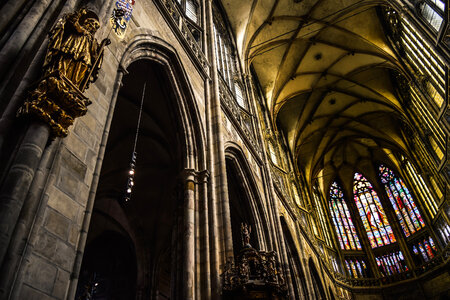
x=189, y=183
x=27, y=217
x=204, y=278
x=18, y=180
x=216, y=118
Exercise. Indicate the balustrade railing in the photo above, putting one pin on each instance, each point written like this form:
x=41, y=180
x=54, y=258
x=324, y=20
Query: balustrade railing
x=439, y=260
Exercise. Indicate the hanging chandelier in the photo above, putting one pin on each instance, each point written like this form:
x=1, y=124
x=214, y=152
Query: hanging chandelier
x=132, y=168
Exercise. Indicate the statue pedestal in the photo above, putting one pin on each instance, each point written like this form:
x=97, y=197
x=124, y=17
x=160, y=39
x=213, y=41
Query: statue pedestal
x=57, y=102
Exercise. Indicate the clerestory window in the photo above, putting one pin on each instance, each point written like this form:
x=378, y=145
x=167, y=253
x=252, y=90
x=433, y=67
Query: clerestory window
x=191, y=9
x=433, y=12
x=405, y=209
x=372, y=214
x=345, y=229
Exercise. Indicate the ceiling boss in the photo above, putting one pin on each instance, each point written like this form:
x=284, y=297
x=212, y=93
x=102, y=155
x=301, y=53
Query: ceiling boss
x=72, y=62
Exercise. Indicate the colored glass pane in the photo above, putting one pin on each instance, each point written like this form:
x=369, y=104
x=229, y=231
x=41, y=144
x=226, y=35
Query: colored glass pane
x=422, y=251
x=358, y=266
x=428, y=249
x=348, y=268
x=402, y=202
x=346, y=231
x=432, y=243
x=352, y=265
x=392, y=263
x=372, y=213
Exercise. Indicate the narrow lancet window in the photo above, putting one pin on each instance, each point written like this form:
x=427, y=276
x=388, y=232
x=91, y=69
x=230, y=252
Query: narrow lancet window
x=392, y=263
x=405, y=209
x=372, y=213
x=346, y=232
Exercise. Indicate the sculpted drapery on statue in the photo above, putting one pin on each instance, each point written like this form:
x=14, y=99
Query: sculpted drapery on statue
x=72, y=62
x=73, y=50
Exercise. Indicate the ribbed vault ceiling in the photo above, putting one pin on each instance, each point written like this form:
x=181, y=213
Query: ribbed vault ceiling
x=326, y=70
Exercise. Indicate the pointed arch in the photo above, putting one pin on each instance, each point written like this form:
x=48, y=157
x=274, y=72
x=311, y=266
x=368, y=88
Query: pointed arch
x=295, y=267
x=245, y=199
x=405, y=209
x=317, y=282
x=343, y=224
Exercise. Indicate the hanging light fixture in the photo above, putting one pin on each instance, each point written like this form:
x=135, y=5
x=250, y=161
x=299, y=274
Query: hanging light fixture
x=132, y=171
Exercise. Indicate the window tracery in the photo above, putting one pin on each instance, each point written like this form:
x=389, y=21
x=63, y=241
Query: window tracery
x=432, y=11
x=190, y=9
x=443, y=229
x=345, y=229
x=226, y=63
x=422, y=188
x=320, y=213
x=372, y=214
x=405, y=209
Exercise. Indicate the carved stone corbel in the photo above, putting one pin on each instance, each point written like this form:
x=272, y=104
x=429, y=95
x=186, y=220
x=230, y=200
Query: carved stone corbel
x=72, y=62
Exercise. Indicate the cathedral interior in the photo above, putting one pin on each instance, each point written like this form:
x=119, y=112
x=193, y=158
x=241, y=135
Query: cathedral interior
x=224, y=149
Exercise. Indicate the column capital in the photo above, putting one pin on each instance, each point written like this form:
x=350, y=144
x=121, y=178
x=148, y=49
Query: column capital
x=194, y=175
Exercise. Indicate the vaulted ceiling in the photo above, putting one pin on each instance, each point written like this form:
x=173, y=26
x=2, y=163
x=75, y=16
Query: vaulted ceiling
x=326, y=69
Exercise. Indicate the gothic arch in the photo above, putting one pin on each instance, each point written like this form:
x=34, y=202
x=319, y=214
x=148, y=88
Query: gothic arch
x=148, y=47
x=237, y=165
x=295, y=272
x=189, y=163
x=319, y=290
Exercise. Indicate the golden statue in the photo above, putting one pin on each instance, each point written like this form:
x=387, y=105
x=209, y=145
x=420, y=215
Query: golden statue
x=72, y=62
x=73, y=50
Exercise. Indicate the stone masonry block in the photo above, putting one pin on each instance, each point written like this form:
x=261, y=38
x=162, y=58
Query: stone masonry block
x=83, y=193
x=64, y=204
x=67, y=182
x=46, y=244
x=71, y=162
x=64, y=255
x=90, y=120
x=85, y=133
x=40, y=274
x=61, y=284
x=76, y=146
x=91, y=159
x=74, y=235
x=30, y=293
x=57, y=224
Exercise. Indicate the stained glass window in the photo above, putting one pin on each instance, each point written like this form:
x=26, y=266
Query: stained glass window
x=424, y=250
x=392, y=263
x=346, y=232
x=356, y=267
x=372, y=213
x=402, y=201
